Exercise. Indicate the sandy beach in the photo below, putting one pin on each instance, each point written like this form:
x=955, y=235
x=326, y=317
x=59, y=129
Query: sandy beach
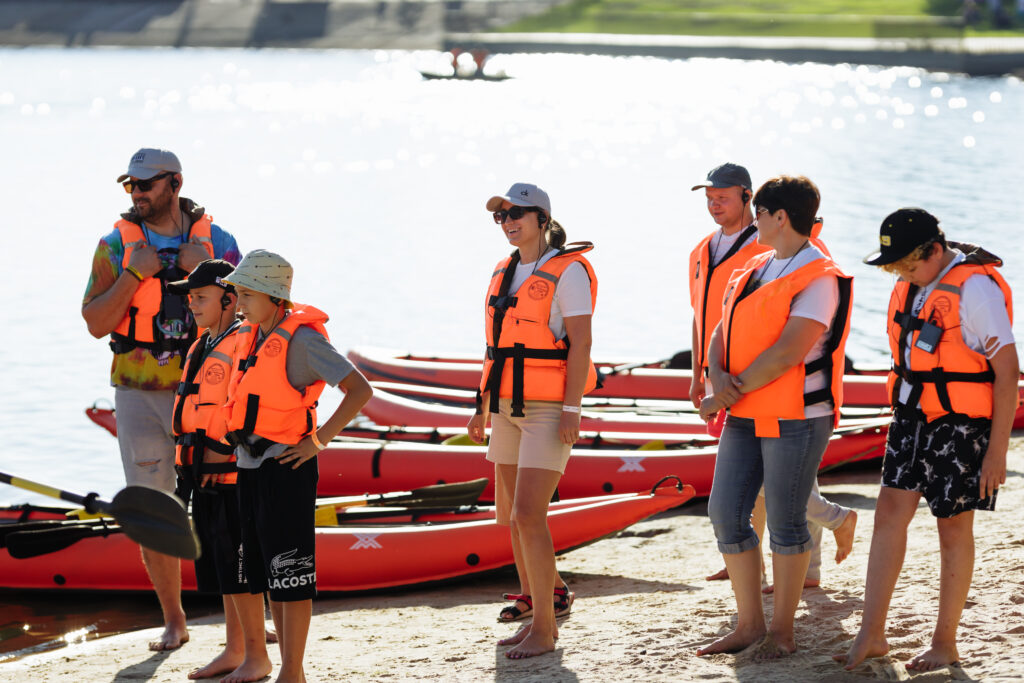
x=642, y=608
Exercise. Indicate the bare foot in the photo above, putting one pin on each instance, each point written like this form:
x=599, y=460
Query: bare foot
x=173, y=637
x=223, y=663
x=720, y=575
x=844, y=536
x=517, y=637
x=733, y=642
x=935, y=657
x=271, y=635
x=773, y=647
x=254, y=669
x=531, y=645
x=864, y=647
x=808, y=583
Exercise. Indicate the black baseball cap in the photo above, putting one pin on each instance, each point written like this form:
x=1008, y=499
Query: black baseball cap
x=903, y=231
x=726, y=175
x=209, y=272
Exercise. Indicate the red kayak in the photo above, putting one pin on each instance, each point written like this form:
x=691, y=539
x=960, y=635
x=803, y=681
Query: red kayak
x=362, y=557
x=376, y=466
x=625, y=380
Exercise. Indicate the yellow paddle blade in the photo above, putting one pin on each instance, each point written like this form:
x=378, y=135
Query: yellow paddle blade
x=459, y=440
x=656, y=445
x=80, y=513
x=325, y=516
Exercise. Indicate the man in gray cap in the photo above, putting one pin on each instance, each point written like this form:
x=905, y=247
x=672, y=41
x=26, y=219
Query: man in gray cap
x=159, y=240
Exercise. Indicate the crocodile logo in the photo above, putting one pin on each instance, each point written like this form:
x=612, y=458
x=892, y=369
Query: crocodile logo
x=286, y=564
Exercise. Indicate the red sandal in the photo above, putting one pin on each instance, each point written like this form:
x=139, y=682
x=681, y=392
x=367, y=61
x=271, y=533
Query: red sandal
x=512, y=612
x=563, y=601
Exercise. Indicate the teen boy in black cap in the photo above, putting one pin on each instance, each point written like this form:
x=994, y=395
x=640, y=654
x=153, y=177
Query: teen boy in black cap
x=953, y=388
x=207, y=473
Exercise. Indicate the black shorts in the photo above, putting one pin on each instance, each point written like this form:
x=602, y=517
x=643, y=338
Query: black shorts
x=215, y=513
x=277, y=505
x=941, y=460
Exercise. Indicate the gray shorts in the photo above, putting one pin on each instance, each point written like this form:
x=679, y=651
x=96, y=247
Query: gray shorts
x=144, y=435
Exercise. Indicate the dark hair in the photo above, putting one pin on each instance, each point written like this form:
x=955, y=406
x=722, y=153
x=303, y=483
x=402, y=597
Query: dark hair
x=797, y=195
x=556, y=233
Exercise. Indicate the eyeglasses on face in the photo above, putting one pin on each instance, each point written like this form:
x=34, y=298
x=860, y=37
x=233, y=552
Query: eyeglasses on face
x=515, y=213
x=144, y=185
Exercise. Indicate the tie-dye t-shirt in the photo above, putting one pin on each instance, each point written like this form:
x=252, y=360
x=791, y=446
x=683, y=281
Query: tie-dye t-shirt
x=141, y=368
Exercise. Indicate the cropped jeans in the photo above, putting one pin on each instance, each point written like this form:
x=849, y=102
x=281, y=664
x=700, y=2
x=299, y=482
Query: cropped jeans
x=786, y=465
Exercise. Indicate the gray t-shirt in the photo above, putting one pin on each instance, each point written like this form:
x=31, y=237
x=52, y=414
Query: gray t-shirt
x=310, y=358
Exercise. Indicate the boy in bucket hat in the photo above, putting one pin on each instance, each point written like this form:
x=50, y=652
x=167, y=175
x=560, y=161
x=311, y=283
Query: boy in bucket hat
x=206, y=471
x=282, y=362
x=953, y=388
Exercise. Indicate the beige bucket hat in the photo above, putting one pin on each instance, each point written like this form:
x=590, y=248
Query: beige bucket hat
x=263, y=271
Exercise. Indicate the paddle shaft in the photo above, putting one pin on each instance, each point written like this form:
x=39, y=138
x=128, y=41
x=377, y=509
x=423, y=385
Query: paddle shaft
x=90, y=502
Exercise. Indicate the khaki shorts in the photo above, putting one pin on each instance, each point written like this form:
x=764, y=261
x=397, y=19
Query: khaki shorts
x=530, y=441
x=144, y=437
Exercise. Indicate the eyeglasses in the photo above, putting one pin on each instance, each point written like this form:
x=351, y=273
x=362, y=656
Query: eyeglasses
x=515, y=213
x=144, y=185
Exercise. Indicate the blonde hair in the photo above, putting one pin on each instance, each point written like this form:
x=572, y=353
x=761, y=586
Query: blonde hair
x=920, y=253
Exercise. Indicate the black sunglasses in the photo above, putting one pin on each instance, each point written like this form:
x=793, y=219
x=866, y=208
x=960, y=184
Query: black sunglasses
x=515, y=213
x=144, y=185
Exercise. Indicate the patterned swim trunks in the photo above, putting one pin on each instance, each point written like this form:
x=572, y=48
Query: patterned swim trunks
x=941, y=460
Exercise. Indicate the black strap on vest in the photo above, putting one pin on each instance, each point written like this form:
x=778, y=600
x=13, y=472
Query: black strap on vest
x=198, y=443
x=518, y=353
x=824, y=363
x=937, y=376
x=188, y=385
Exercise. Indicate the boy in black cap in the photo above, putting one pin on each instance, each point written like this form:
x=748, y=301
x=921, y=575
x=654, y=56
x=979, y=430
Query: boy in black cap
x=207, y=473
x=953, y=388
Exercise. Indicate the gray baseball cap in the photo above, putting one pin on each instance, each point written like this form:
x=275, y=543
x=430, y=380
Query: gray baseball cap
x=148, y=162
x=726, y=175
x=522, y=194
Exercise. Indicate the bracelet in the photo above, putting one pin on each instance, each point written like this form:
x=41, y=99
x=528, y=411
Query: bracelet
x=134, y=272
x=571, y=409
x=316, y=441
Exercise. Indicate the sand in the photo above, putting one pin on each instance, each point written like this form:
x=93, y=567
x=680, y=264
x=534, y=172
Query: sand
x=642, y=609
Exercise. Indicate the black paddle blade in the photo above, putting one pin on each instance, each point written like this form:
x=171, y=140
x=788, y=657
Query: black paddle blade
x=24, y=544
x=155, y=520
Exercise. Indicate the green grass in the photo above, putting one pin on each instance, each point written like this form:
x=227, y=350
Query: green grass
x=828, y=18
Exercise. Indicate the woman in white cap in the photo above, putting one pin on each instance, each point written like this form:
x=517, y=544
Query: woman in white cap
x=283, y=360
x=537, y=368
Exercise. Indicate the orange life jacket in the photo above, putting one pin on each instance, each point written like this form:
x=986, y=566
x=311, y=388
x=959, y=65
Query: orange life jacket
x=955, y=378
x=140, y=325
x=199, y=422
x=708, y=281
x=517, y=329
x=753, y=320
x=260, y=399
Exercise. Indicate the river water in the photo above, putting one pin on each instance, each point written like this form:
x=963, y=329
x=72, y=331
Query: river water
x=372, y=181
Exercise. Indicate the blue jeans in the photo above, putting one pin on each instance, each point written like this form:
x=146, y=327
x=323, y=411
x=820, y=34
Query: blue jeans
x=787, y=465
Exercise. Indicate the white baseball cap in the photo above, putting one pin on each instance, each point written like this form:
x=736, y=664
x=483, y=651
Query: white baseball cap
x=522, y=194
x=148, y=162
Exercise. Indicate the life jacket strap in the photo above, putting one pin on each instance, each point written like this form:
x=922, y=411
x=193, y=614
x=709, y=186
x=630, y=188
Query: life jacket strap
x=941, y=379
x=518, y=353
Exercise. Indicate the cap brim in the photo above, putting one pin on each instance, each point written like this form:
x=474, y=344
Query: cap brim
x=141, y=174
x=245, y=282
x=717, y=186
x=494, y=203
x=179, y=287
x=879, y=259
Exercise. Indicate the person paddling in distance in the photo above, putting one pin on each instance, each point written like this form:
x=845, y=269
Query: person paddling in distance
x=776, y=364
x=161, y=238
x=953, y=387
x=207, y=474
x=538, y=326
x=282, y=362
x=727, y=190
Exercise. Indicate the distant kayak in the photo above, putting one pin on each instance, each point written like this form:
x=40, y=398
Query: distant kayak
x=431, y=76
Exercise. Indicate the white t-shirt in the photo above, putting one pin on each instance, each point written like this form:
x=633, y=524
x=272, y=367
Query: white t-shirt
x=572, y=293
x=818, y=301
x=983, y=315
x=721, y=244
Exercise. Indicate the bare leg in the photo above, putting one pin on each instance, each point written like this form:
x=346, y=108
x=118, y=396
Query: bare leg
x=844, y=536
x=292, y=631
x=893, y=512
x=534, y=488
x=255, y=664
x=165, y=574
x=788, y=571
x=745, y=574
x=234, y=647
x=956, y=543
